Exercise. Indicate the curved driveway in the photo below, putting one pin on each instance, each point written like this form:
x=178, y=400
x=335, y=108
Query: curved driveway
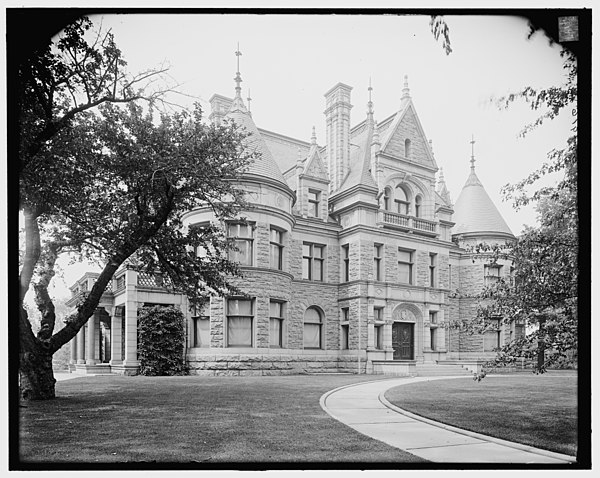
x=364, y=408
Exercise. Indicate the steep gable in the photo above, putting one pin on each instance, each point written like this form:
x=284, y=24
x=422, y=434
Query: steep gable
x=406, y=125
x=315, y=166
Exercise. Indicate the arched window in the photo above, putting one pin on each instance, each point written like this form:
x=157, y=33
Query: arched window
x=407, y=149
x=418, y=202
x=401, y=199
x=387, y=194
x=313, y=323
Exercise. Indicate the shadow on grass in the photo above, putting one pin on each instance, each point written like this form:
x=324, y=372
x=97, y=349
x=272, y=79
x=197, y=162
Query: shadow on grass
x=114, y=419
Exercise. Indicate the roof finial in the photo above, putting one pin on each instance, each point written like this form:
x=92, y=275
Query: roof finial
x=405, y=90
x=238, y=77
x=313, y=138
x=472, y=153
x=370, y=104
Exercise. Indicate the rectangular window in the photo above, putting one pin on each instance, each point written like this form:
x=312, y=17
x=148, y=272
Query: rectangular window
x=201, y=331
x=378, y=316
x=276, y=249
x=405, y=266
x=243, y=235
x=312, y=261
x=379, y=337
x=201, y=326
x=239, y=322
x=449, y=276
x=345, y=328
x=491, y=273
x=433, y=333
x=491, y=337
x=432, y=264
x=276, y=311
x=432, y=317
x=314, y=198
x=402, y=207
x=346, y=265
x=377, y=261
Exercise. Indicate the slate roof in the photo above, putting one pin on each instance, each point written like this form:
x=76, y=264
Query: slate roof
x=474, y=211
x=360, y=161
x=264, y=164
x=284, y=148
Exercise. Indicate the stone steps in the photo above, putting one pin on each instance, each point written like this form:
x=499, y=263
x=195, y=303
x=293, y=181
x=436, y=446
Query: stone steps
x=438, y=370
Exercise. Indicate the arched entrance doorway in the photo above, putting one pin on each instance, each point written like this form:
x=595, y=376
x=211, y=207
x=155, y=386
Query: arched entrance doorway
x=403, y=332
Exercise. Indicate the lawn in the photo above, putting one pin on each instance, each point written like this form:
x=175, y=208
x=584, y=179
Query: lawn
x=537, y=410
x=114, y=419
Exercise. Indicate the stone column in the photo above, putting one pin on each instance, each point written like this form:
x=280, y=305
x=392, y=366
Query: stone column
x=73, y=357
x=81, y=345
x=90, y=356
x=131, y=306
x=115, y=338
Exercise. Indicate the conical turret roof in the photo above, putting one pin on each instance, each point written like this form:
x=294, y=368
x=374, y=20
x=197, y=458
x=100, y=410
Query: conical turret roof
x=474, y=211
x=264, y=164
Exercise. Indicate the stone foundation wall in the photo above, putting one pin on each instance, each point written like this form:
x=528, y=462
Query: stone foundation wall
x=272, y=364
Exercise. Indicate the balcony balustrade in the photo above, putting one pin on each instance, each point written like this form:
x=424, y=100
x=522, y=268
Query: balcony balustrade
x=416, y=225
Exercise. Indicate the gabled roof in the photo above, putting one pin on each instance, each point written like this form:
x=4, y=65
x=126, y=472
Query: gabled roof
x=474, y=211
x=313, y=165
x=390, y=130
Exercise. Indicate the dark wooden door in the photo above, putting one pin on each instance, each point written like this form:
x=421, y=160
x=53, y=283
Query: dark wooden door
x=403, y=340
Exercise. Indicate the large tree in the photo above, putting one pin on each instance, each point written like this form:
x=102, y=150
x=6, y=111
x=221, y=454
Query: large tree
x=543, y=292
x=104, y=176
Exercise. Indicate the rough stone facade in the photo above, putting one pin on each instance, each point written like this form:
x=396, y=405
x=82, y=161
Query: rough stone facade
x=329, y=203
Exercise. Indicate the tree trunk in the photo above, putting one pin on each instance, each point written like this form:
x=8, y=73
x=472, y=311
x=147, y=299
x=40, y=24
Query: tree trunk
x=541, y=348
x=36, y=377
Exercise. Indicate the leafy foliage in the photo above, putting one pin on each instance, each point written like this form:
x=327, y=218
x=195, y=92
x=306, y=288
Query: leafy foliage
x=105, y=177
x=439, y=28
x=544, y=291
x=161, y=339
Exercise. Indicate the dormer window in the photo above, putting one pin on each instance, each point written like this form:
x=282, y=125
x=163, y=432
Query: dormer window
x=314, y=198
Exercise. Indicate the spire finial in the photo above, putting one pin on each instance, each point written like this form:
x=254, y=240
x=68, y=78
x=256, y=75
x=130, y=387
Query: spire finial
x=249, y=100
x=405, y=90
x=472, y=153
x=313, y=138
x=370, y=103
x=238, y=77
x=441, y=179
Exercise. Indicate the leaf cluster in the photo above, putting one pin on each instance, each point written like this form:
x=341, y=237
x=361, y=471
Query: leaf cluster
x=161, y=339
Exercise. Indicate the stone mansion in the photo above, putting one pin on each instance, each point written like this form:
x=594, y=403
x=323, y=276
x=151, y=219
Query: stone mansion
x=352, y=259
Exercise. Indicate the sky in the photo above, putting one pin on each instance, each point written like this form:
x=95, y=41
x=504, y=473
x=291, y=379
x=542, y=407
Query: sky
x=288, y=62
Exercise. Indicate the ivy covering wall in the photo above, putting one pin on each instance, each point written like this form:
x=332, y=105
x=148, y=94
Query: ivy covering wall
x=161, y=339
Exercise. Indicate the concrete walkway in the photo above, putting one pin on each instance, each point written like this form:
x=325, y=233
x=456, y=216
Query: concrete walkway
x=363, y=407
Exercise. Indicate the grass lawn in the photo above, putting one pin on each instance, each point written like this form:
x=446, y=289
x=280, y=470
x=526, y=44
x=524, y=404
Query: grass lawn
x=114, y=419
x=537, y=410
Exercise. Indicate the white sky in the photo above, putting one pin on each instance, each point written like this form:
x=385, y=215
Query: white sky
x=289, y=61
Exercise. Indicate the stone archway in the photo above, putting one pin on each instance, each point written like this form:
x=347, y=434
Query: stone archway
x=406, y=328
